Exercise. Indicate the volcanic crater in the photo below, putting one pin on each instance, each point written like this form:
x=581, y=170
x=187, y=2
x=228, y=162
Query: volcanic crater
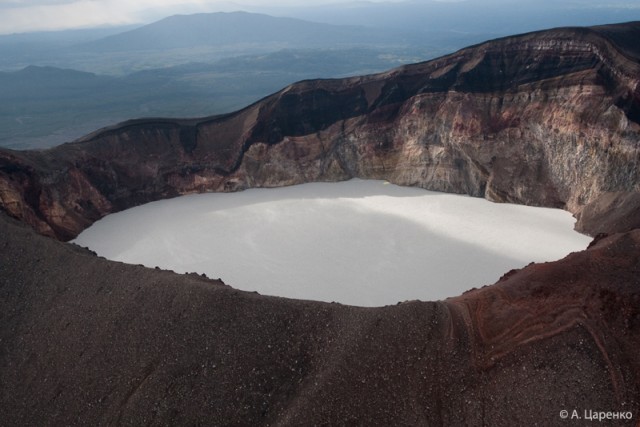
x=545, y=119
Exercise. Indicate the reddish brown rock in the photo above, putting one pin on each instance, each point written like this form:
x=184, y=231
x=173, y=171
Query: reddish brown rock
x=610, y=213
x=547, y=118
x=87, y=341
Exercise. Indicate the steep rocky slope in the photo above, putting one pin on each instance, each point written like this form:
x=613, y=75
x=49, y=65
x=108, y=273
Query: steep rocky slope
x=549, y=118
x=86, y=341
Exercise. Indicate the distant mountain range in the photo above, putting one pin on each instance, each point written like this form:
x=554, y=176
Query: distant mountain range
x=209, y=37
x=195, y=65
x=243, y=31
x=439, y=26
x=45, y=106
x=180, y=66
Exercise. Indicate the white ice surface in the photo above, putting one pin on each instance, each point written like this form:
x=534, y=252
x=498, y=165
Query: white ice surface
x=365, y=243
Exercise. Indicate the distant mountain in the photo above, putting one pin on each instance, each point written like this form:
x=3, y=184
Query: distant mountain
x=208, y=37
x=241, y=29
x=437, y=26
x=45, y=106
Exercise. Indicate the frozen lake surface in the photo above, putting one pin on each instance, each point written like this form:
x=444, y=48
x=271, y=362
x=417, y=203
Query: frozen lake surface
x=365, y=243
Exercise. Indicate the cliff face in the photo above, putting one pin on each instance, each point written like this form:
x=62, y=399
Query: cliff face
x=550, y=118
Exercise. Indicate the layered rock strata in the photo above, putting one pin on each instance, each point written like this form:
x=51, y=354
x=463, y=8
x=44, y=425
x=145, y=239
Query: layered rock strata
x=548, y=118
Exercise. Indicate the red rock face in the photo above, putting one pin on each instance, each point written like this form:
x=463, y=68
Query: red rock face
x=547, y=118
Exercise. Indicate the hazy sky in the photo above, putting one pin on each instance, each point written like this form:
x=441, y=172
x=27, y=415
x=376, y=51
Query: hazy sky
x=30, y=15
x=34, y=15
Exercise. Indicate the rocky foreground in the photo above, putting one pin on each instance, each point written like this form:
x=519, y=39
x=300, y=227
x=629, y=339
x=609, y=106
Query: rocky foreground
x=549, y=118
